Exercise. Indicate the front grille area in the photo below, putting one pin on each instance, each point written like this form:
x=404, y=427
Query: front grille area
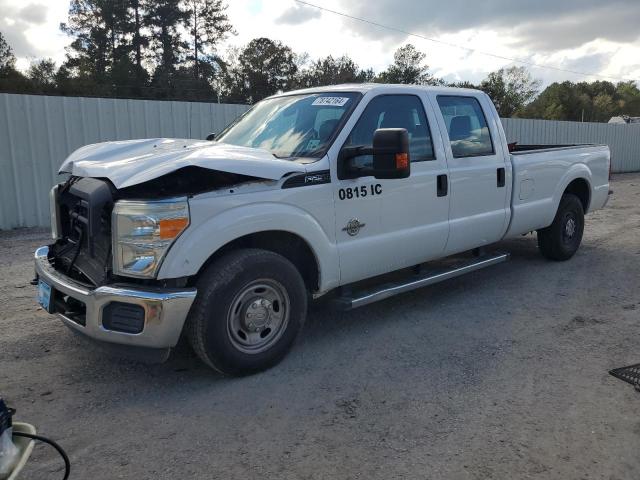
x=73, y=309
x=83, y=252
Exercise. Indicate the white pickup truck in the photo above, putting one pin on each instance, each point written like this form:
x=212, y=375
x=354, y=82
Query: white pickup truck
x=309, y=192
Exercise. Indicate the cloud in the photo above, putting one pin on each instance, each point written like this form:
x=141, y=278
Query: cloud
x=32, y=29
x=14, y=23
x=34, y=14
x=546, y=25
x=616, y=24
x=583, y=35
x=594, y=62
x=297, y=14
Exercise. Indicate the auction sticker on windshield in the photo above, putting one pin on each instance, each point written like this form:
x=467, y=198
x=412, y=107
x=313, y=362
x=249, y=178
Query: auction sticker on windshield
x=330, y=101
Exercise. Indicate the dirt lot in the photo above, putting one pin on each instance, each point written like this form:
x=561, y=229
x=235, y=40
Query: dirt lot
x=499, y=374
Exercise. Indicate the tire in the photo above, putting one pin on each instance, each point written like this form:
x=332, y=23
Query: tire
x=561, y=240
x=250, y=307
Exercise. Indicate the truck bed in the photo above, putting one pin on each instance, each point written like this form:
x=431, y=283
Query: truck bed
x=540, y=175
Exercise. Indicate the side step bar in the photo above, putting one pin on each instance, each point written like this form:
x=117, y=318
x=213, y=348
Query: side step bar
x=374, y=294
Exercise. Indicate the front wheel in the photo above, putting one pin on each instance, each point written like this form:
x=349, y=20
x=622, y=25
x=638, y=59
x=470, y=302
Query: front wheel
x=562, y=238
x=250, y=307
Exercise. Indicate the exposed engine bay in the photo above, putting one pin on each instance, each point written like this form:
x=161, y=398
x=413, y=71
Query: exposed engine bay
x=190, y=180
x=84, y=205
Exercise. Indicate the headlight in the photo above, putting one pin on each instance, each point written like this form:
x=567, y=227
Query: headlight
x=143, y=233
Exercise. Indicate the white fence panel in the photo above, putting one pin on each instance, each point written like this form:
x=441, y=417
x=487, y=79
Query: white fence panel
x=38, y=132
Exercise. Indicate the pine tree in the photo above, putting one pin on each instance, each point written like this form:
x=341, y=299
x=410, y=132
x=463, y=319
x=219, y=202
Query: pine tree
x=11, y=80
x=164, y=18
x=208, y=24
x=100, y=28
x=407, y=68
x=88, y=54
x=7, y=59
x=138, y=41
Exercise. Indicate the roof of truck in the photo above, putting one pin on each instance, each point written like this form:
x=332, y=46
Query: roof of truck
x=379, y=88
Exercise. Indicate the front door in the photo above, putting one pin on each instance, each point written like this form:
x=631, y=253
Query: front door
x=385, y=225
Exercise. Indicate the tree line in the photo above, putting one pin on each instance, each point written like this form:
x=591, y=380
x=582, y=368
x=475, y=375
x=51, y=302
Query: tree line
x=169, y=49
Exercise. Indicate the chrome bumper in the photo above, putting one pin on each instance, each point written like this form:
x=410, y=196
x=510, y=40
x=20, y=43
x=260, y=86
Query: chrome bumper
x=165, y=309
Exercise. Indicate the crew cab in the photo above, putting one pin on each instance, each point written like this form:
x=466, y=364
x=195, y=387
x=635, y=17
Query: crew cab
x=350, y=189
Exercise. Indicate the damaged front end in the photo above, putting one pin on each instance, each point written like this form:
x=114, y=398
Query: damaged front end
x=186, y=181
x=83, y=221
x=113, y=223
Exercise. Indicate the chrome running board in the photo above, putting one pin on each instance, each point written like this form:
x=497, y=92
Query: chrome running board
x=381, y=292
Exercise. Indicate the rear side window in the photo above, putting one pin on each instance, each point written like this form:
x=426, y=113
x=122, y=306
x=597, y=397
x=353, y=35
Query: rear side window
x=466, y=125
x=394, y=111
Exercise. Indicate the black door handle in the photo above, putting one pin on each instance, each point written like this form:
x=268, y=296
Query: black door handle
x=500, y=177
x=442, y=185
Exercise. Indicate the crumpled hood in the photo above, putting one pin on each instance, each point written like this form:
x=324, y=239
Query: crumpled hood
x=131, y=162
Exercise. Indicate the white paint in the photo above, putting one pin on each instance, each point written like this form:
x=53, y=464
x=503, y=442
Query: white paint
x=406, y=224
x=479, y=209
x=552, y=171
x=526, y=188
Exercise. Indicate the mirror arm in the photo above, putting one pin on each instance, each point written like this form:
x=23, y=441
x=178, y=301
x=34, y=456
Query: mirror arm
x=349, y=153
x=352, y=152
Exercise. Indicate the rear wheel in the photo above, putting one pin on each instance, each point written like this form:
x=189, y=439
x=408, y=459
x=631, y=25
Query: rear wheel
x=562, y=238
x=250, y=307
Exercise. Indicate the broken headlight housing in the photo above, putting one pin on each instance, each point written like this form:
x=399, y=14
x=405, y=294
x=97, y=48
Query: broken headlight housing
x=143, y=232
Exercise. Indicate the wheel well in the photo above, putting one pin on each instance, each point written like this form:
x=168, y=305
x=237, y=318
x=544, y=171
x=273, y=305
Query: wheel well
x=289, y=245
x=580, y=188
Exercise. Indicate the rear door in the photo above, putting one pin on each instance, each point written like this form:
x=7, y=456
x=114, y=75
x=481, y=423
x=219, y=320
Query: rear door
x=384, y=225
x=478, y=172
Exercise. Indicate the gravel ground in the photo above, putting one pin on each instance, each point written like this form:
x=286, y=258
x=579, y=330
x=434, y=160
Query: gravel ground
x=499, y=374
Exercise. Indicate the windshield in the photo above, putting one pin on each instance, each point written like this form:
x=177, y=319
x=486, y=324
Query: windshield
x=293, y=125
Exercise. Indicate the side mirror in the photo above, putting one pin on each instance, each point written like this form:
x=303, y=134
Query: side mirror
x=211, y=137
x=391, y=153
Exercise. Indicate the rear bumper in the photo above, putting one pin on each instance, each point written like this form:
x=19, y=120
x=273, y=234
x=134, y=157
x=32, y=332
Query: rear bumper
x=165, y=310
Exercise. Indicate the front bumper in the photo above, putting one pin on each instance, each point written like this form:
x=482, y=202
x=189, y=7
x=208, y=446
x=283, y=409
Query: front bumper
x=165, y=310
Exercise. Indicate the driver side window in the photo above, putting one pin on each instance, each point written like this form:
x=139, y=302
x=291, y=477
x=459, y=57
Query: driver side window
x=393, y=111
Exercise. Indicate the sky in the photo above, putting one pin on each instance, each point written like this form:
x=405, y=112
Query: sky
x=590, y=36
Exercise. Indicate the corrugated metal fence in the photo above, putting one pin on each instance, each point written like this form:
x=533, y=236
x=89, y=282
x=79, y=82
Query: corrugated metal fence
x=623, y=140
x=38, y=132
